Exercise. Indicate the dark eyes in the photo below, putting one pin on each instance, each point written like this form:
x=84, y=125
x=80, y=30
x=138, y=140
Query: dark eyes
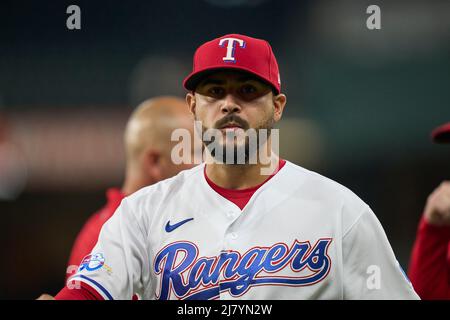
x=248, y=89
x=216, y=91
x=243, y=90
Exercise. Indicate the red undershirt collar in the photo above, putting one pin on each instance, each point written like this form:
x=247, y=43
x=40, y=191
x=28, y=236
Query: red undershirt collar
x=240, y=197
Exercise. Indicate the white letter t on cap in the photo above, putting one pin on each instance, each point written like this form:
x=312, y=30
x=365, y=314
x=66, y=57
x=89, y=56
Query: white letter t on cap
x=230, y=48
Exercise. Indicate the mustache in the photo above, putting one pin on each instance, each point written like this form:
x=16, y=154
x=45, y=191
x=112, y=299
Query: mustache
x=232, y=118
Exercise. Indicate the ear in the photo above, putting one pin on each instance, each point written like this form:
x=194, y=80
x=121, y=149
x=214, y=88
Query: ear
x=190, y=100
x=152, y=164
x=279, y=102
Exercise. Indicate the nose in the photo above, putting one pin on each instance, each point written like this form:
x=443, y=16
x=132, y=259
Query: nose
x=230, y=105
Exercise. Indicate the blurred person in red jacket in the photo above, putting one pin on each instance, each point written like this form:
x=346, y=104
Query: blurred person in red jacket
x=429, y=268
x=148, y=148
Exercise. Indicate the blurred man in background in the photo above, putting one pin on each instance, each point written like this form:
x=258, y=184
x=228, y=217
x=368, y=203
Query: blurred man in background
x=429, y=268
x=148, y=148
x=13, y=168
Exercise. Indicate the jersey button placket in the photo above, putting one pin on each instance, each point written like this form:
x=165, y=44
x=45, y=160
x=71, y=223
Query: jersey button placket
x=230, y=238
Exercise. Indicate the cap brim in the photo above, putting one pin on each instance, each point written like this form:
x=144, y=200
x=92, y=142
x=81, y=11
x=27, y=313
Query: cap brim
x=441, y=134
x=192, y=80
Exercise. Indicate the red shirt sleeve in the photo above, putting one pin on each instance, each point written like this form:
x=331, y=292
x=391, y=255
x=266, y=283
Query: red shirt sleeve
x=429, y=268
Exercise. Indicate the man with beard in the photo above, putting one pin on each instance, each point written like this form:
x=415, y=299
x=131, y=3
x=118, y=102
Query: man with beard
x=258, y=228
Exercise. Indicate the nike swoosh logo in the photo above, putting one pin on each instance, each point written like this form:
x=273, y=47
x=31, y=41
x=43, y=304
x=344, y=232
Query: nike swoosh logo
x=170, y=228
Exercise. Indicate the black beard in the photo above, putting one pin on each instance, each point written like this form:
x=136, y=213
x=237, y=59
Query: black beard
x=222, y=158
x=238, y=150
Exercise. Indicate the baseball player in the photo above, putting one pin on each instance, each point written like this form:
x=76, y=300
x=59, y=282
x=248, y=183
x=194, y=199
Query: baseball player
x=429, y=267
x=224, y=230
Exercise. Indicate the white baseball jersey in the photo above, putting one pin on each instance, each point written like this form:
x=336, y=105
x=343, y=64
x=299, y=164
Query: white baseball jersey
x=301, y=236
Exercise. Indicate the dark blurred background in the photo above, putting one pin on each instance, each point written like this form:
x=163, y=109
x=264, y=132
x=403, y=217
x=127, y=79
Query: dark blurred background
x=361, y=106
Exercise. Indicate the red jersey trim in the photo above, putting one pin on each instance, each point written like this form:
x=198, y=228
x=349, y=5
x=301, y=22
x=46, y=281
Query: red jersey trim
x=84, y=292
